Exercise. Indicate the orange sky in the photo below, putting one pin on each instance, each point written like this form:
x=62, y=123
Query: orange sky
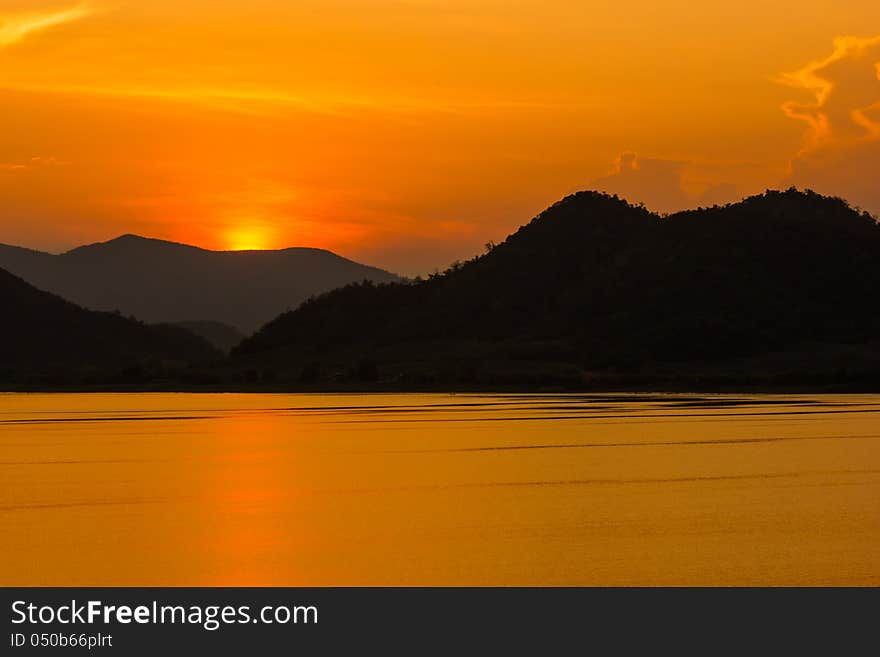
x=407, y=133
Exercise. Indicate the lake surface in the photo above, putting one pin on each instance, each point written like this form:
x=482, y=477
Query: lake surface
x=437, y=489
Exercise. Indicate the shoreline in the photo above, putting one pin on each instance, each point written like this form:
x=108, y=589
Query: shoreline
x=805, y=388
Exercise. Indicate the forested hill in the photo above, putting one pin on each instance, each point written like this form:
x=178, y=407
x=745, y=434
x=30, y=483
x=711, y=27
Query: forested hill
x=595, y=283
x=45, y=338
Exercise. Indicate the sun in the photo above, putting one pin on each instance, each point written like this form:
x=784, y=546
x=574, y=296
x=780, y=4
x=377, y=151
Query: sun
x=247, y=238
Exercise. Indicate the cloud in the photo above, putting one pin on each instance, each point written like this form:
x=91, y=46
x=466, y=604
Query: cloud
x=32, y=163
x=840, y=153
x=16, y=27
x=845, y=93
x=663, y=185
x=717, y=194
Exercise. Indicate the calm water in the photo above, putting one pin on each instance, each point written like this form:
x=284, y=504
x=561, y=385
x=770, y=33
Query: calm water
x=233, y=489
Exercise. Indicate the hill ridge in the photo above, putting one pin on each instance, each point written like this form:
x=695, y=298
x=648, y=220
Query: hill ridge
x=161, y=281
x=594, y=282
x=48, y=336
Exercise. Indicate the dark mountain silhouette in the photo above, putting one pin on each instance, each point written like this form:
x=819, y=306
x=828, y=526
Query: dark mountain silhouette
x=45, y=338
x=158, y=281
x=594, y=284
x=222, y=336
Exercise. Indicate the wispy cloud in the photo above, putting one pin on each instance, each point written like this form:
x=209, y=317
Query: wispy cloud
x=32, y=163
x=250, y=101
x=845, y=87
x=16, y=27
x=840, y=153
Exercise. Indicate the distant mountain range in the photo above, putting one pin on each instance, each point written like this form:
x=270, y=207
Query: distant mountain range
x=159, y=281
x=780, y=288
x=784, y=281
x=44, y=337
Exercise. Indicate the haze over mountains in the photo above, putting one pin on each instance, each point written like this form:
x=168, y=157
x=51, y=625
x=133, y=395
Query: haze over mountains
x=159, y=281
x=784, y=281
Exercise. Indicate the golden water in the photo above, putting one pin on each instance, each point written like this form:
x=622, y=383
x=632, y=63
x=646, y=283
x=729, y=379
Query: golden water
x=434, y=489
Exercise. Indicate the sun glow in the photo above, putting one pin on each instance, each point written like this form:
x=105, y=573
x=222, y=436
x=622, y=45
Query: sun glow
x=248, y=238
